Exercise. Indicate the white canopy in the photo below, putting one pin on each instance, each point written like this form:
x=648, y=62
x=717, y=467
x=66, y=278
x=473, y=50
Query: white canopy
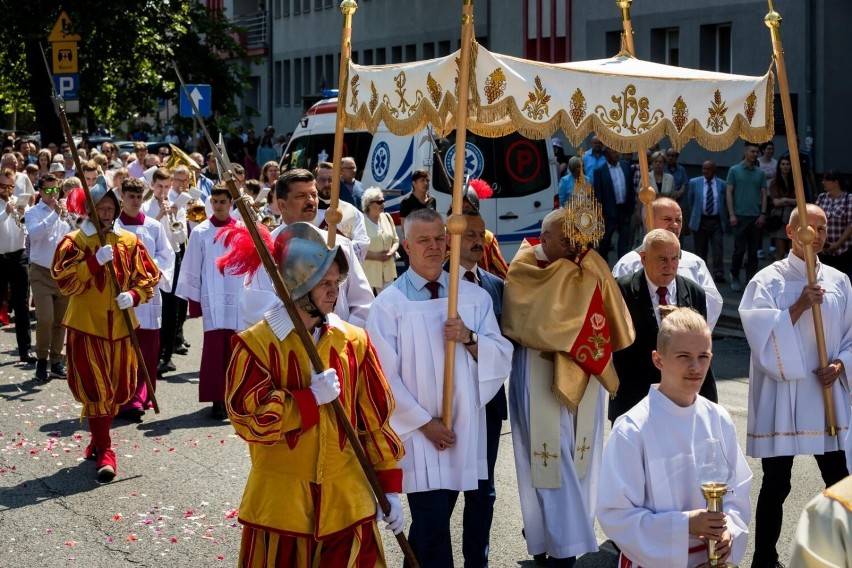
x=630, y=104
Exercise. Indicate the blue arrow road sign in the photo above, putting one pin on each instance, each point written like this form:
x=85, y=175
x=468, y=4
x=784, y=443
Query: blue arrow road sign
x=201, y=94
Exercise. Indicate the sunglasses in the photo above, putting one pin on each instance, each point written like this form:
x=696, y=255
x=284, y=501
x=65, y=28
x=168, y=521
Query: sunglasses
x=49, y=190
x=379, y=201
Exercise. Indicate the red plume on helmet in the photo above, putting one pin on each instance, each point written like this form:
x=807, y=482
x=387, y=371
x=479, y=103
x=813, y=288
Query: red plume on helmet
x=482, y=188
x=241, y=257
x=75, y=202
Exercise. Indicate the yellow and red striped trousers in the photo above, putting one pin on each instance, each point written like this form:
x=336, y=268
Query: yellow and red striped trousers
x=101, y=373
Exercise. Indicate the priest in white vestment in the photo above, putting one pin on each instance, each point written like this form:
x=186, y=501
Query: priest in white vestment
x=786, y=414
x=563, y=308
x=408, y=326
x=824, y=536
x=660, y=452
x=296, y=198
x=667, y=215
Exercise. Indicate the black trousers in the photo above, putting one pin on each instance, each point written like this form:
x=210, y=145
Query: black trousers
x=14, y=273
x=773, y=492
x=174, y=314
x=708, y=241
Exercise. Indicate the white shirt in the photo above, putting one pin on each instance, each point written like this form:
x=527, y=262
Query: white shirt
x=671, y=296
x=12, y=237
x=45, y=230
x=151, y=208
x=690, y=266
x=617, y=175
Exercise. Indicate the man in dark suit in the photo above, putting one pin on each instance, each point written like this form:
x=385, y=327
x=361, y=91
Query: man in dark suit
x=707, y=206
x=645, y=291
x=479, y=503
x=613, y=184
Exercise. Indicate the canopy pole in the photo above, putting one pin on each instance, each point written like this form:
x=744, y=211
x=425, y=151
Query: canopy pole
x=804, y=233
x=647, y=194
x=457, y=224
x=333, y=216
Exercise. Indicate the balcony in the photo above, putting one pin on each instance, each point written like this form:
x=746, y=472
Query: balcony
x=254, y=33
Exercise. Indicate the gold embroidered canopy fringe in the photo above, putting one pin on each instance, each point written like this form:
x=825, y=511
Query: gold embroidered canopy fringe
x=629, y=103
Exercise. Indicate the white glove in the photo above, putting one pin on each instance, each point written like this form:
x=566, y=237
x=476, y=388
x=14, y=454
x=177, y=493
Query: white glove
x=325, y=386
x=195, y=193
x=124, y=300
x=395, y=519
x=104, y=254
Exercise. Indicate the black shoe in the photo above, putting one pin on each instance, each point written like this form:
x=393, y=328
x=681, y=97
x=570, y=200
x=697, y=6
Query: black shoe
x=540, y=559
x=27, y=359
x=58, y=370
x=166, y=367
x=217, y=411
x=181, y=349
x=41, y=371
x=132, y=415
x=185, y=343
x=719, y=279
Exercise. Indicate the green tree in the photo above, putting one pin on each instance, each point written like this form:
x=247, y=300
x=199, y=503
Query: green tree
x=125, y=57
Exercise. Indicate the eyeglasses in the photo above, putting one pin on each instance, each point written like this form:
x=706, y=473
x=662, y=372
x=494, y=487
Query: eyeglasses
x=6, y=186
x=49, y=190
x=348, y=168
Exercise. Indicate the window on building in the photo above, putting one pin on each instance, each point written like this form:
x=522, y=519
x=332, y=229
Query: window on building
x=381, y=56
x=396, y=54
x=276, y=8
x=410, y=52
x=715, y=53
x=320, y=74
x=297, y=81
x=276, y=83
x=328, y=4
x=306, y=5
x=307, y=84
x=613, y=43
x=251, y=96
x=285, y=91
x=285, y=7
x=297, y=7
x=429, y=50
x=317, y=4
x=330, y=70
x=354, y=57
x=665, y=46
x=443, y=48
x=368, y=57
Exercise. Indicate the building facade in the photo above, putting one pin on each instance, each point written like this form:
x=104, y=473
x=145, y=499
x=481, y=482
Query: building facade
x=297, y=46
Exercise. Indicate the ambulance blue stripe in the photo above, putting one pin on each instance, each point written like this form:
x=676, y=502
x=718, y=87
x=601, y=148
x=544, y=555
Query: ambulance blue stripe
x=402, y=178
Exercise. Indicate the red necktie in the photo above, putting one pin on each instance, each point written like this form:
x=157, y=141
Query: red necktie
x=433, y=288
x=468, y=275
x=661, y=292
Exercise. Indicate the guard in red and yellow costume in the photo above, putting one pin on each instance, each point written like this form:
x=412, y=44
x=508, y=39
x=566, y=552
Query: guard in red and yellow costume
x=101, y=361
x=307, y=502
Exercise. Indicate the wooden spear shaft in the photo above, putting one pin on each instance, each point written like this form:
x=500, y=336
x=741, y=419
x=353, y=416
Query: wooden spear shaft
x=457, y=224
x=804, y=233
x=647, y=194
x=299, y=326
x=333, y=216
x=59, y=103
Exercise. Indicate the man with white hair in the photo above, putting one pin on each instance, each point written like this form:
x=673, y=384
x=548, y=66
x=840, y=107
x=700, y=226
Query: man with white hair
x=667, y=215
x=351, y=189
x=655, y=285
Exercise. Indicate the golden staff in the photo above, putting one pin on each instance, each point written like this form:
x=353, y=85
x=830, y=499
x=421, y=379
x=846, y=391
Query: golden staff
x=59, y=104
x=333, y=216
x=457, y=224
x=647, y=194
x=283, y=294
x=804, y=233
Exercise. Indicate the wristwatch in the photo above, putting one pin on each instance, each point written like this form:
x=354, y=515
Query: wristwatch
x=474, y=339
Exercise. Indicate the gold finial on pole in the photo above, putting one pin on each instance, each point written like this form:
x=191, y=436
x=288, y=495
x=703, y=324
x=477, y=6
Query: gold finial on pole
x=456, y=224
x=333, y=216
x=647, y=193
x=805, y=234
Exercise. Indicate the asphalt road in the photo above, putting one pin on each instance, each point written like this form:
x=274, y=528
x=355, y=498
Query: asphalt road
x=181, y=475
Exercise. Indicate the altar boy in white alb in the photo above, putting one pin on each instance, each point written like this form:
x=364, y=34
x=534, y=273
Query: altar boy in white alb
x=217, y=295
x=150, y=314
x=786, y=415
x=408, y=326
x=649, y=500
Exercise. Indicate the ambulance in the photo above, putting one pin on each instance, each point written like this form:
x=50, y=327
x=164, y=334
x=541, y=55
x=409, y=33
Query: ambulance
x=522, y=172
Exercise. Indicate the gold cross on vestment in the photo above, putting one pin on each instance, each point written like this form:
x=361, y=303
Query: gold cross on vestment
x=583, y=448
x=544, y=455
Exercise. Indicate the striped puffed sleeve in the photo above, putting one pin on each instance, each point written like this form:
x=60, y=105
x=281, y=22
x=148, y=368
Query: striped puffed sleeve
x=143, y=272
x=70, y=268
x=375, y=404
x=260, y=412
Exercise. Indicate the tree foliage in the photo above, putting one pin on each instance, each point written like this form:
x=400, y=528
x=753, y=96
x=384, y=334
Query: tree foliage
x=125, y=57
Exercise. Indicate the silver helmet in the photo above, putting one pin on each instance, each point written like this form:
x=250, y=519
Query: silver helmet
x=305, y=258
x=99, y=191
